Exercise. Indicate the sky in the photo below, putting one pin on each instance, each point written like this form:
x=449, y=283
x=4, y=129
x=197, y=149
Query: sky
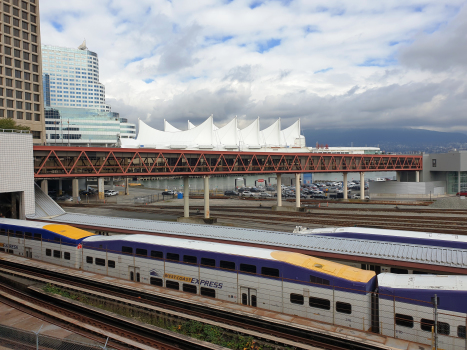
x=344, y=64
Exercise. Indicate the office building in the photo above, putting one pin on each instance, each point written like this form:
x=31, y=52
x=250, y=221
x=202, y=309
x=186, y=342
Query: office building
x=75, y=110
x=20, y=66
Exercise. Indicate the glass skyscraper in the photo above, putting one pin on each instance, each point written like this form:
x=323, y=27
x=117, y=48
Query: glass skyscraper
x=74, y=99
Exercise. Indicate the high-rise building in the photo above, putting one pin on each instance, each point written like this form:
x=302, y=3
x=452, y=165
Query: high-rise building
x=20, y=65
x=71, y=78
x=75, y=109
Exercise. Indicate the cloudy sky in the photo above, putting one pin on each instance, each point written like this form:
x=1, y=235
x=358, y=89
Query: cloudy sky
x=331, y=63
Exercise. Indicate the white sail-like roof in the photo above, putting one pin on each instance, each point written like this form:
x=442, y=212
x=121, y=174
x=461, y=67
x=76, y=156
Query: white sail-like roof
x=271, y=136
x=169, y=127
x=208, y=136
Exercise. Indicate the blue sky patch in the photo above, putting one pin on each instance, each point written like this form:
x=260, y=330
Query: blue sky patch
x=268, y=45
x=255, y=4
x=148, y=81
x=311, y=29
x=58, y=27
x=323, y=70
x=379, y=62
x=135, y=59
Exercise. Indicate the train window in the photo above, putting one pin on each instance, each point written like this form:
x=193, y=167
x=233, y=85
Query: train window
x=399, y=271
x=142, y=252
x=37, y=237
x=172, y=285
x=19, y=234
x=190, y=259
x=48, y=252
x=57, y=254
x=443, y=328
x=269, y=271
x=227, y=265
x=319, y=280
x=244, y=299
x=253, y=300
x=426, y=325
x=157, y=255
x=404, y=320
x=89, y=259
x=208, y=262
x=208, y=292
x=127, y=250
x=248, y=268
x=156, y=281
x=173, y=256
x=10, y=251
x=190, y=288
x=28, y=235
x=57, y=239
x=344, y=308
x=2, y=249
x=111, y=264
x=11, y=232
x=320, y=303
x=297, y=299
x=100, y=262
x=461, y=332
x=2, y=232
x=415, y=272
x=66, y=256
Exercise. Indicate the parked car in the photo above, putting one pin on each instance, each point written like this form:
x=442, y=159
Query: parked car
x=86, y=193
x=461, y=194
x=264, y=195
x=247, y=194
x=269, y=188
x=318, y=196
x=254, y=189
x=168, y=193
x=109, y=193
x=230, y=193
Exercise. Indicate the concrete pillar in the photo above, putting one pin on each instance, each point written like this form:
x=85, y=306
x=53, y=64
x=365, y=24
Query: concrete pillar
x=297, y=190
x=186, y=197
x=127, y=186
x=279, y=190
x=60, y=187
x=362, y=185
x=206, y=197
x=398, y=176
x=112, y=186
x=344, y=187
x=75, y=189
x=45, y=186
x=100, y=187
x=417, y=176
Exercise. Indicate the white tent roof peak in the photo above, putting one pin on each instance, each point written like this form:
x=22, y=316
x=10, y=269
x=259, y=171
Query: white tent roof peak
x=169, y=127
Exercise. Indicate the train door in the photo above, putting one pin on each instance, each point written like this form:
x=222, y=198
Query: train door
x=134, y=273
x=28, y=252
x=248, y=296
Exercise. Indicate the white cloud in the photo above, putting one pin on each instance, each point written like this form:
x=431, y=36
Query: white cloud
x=365, y=63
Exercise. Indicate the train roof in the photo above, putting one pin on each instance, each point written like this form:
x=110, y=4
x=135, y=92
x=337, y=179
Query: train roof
x=434, y=282
x=62, y=230
x=301, y=260
x=384, y=232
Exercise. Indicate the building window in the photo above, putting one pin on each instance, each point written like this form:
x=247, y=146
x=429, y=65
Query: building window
x=36, y=134
x=433, y=163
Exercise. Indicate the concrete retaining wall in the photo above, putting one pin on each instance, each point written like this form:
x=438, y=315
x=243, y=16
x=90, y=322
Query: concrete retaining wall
x=396, y=189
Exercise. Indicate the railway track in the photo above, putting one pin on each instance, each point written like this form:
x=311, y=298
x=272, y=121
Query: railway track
x=278, y=331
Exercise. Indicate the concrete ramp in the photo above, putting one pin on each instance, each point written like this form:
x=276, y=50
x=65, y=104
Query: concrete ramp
x=46, y=207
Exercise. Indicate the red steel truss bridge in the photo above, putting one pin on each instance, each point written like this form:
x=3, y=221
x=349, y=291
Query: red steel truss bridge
x=60, y=161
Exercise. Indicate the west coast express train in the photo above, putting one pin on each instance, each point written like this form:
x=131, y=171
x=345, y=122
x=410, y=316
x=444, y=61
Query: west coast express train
x=279, y=281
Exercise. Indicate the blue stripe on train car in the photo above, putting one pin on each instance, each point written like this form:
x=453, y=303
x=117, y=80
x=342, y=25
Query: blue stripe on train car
x=46, y=236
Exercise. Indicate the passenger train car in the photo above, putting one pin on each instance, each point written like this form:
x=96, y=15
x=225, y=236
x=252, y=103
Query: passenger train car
x=279, y=281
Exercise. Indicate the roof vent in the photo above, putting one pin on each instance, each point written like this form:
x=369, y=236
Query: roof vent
x=318, y=266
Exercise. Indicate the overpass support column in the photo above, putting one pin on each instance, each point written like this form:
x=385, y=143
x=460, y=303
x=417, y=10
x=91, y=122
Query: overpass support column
x=458, y=182
x=297, y=190
x=60, y=187
x=279, y=190
x=344, y=187
x=206, y=197
x=417, y=176
x=45, y=186
x=186, y=197
x=398, y=176
x=127, y=186
x=100, y=187
x=362, y=185
x=75, y=189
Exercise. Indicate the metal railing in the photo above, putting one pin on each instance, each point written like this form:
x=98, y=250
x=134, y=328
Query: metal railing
x=16, y=131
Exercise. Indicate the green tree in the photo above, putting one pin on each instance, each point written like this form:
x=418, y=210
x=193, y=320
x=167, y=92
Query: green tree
x=8, y=123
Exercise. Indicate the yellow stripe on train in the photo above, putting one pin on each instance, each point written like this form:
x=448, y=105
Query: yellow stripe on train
x=68, y=231
x=331, y=268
